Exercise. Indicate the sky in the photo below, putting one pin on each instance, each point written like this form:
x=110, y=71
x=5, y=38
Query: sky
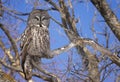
x=83, y=11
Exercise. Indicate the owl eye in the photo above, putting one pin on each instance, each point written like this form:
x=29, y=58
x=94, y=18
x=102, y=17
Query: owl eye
x=43, y=17
x=37, y=17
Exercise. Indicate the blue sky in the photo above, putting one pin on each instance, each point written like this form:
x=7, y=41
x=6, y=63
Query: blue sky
x=84, y=11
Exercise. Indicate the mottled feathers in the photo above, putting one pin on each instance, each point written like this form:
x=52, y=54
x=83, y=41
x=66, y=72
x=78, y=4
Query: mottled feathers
x=35, y=40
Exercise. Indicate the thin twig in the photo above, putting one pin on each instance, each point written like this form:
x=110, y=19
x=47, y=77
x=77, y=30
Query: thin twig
x=11, y=40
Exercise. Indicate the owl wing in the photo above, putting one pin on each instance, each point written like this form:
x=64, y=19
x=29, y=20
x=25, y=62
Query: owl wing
x=26, y=66
x=24, y=40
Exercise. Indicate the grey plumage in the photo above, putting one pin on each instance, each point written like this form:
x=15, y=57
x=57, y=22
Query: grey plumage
x=35, y=40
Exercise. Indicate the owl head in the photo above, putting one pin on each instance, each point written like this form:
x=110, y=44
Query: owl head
x=39, y=17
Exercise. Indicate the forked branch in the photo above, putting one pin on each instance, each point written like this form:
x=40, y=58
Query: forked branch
x=90, y=42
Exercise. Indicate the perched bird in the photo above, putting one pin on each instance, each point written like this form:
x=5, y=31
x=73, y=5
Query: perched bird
x=35, y=41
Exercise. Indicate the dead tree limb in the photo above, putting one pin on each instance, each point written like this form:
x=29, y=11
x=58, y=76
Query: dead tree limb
x=109, y=16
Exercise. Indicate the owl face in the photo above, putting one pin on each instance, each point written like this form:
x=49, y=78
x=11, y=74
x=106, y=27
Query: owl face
x=39, y=18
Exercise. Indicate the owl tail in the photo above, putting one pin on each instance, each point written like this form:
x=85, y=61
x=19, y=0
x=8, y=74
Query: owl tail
x=27, y=68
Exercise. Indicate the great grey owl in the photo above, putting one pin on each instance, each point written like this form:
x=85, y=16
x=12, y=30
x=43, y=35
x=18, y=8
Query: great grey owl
x=35, y=40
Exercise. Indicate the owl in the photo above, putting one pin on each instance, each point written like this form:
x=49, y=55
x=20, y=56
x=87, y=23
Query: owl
x=35, y=40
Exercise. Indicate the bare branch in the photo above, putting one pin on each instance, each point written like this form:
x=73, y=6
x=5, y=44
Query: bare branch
x=16, y=17
x=18, y=69
x=1, y=9
x=46, y=78
x=6, y=51
x=56, y=21
x=93, y=64
x=41, y=76
x=85, y=41
x=108, y=15
x=4, y=77
x=14, y=11
x=103, y=50
x=53, y=77
x=61, y=50
x=53, y=4
x=69, y=26
x=12, y=42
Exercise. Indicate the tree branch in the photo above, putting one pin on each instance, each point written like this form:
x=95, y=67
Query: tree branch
x=83, y=42
x=51, y=77
x=93, y=64
x=14, y=46
x=4, y=77
x=18, y=69
x=6, y=51
x=15, y=12
x=69, y=26
x=103, y=50
x=1, y=9
x=53, y=4
x=61, y=50
x=108, y=15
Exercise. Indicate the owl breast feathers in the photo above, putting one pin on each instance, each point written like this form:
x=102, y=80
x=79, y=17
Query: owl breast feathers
x=35, y=38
